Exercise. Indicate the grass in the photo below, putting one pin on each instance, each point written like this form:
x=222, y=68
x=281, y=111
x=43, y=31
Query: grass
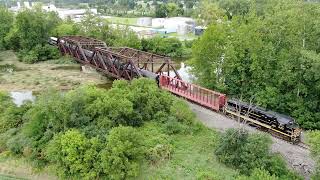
x=19, y=168
x=193, y=158
x=63, y=73
x=62, y=60
x=123, y=20
x=187, y=36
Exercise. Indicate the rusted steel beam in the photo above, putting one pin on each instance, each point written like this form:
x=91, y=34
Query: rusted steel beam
x=121, y=63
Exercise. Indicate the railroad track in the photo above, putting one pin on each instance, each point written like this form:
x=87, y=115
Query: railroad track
x=303, y=145
x=275, y=135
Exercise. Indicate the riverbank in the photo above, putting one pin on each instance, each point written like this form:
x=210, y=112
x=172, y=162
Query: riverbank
x=62, y=74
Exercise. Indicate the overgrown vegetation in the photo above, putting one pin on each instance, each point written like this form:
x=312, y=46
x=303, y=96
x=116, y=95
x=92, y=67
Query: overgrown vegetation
x=90, y=133
x=247, y=152
x=251, y=53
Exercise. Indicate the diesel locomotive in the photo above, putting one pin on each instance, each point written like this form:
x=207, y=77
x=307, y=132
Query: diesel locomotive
x=280, y=124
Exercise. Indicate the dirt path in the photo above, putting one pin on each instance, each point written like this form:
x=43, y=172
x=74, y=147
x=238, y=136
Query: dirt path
x=296, y=157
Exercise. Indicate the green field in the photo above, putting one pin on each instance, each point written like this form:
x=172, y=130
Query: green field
x=123, y=20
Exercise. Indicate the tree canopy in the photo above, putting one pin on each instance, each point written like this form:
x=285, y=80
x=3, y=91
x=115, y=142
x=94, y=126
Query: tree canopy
x=270, y=56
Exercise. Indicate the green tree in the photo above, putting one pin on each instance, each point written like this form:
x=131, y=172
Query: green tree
x=240, y=150
x=74, y=155
x=174, y=10
x=208, y=12
x=161, y=11
x=6, y=23
x=33, y=27
x=64, y=29
x=235, y=7
x=31, y=31
x=124, y=36
x=257, y=56
x=121, y=158
x=207, y=61
x=163, y=46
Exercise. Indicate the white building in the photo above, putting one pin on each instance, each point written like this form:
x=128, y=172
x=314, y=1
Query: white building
x=182, y=25
x=158, y=22
x=73, y=13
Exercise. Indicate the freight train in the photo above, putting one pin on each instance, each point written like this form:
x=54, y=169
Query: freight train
x=275, y=123
x=278, y=124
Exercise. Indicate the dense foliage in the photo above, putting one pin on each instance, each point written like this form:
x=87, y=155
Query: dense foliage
x=90, y=132
x=270, y=55
x=163, y=46
x=168, y=10
x=6, y=23
x=29, y=35
x=246, y=152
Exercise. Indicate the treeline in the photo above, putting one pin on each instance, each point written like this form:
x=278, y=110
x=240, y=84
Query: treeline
x=92, y=133
x=267, y=52
x=28, y=32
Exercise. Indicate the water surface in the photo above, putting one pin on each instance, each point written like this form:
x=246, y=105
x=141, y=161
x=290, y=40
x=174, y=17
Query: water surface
x=19, y=97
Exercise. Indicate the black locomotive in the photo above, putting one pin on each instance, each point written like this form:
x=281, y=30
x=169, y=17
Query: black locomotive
x=280, y=122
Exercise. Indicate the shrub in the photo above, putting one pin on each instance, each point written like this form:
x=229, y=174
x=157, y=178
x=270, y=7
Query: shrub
x=74, y=155
x=131, y=104
x=39, y=53
x=148, y=99
x=258, y=174
x=243, y=151
x=5, y=101
x=122, y=155
x=181, y=111
x=172, y=126
x=208, y=175
x=46, y=52
x=28, y=56
x=4, y=137
x=12, y=117
x=17, y=143
x=158, y=145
